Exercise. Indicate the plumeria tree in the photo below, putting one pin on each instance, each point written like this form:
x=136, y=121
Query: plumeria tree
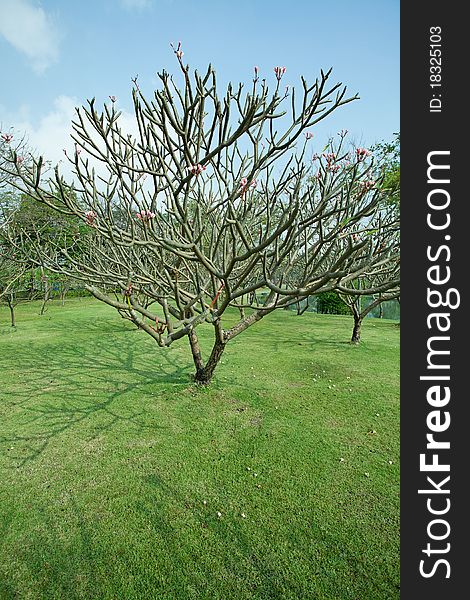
x=10, y=279
x=28, y=228
x=214, y=202
x=387, y=176
x=386, y=279
x=360, y=311
x=10, y=144
x=16, y=283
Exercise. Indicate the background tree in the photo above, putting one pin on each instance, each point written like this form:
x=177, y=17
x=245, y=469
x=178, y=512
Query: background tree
x=213, y=204
x=15, y=283
x=331, y=303
x=9, y=276
x=388, y=157
x=353, y=294
x=29, y=226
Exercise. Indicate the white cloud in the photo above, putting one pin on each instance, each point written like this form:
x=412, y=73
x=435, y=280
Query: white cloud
x=136, y=4
x=31, y=31
x=51, y=134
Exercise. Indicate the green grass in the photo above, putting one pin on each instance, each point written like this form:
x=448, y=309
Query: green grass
x=108, y=452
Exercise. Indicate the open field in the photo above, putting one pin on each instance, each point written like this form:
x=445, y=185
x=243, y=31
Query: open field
x=113, y=465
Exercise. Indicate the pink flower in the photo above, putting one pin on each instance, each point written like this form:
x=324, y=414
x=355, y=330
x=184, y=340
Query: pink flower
x=365, y=186
x=196, y=169
x=244, y=185
x=145, y=215
x=315, y=157
x=330, y=159
x=308, y=135
x=334, y=168
x=179, y=53
x=362, y=153
x=368, y=184
x=7, y=137
x=330, y=162
x=112, y=98
x=19, y=160
x=128, y=290
x=90, y=217
x=77, y=149
x=279, y=71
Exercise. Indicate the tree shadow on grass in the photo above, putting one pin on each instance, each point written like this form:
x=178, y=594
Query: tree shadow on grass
x=249, y=569
x=253, y=566
x=60, y=386
x=52, y=566
x=223, y=558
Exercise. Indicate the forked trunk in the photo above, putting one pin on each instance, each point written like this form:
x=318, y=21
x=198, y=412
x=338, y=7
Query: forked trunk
x=356, y=334
x=204, y=372
x=203, y=376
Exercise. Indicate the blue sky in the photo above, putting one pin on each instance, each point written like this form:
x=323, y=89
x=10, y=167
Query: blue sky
x=56, y=54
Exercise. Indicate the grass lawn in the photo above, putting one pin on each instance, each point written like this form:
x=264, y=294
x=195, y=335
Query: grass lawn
x=113, y=465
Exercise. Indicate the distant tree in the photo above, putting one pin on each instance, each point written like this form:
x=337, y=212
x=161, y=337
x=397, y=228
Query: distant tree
x=388, y=157
x=15, y=284
x=331, y=303
x=213, y=204
x=353, y=294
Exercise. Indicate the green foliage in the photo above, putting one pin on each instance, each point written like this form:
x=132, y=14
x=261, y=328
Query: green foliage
x=108, y=452
x=388, y=156
x=47, y=225
x=331, y=303
x=73, y=293
x=32, y=229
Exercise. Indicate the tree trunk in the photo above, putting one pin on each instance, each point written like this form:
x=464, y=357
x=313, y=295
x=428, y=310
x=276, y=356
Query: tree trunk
x=301, y=309
x=63, y=293
x=196, y=352
x=203, y=376
x=12, y=310
x=204, y=373
x=356, y=334
x=241, y=310
x=45, y=299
